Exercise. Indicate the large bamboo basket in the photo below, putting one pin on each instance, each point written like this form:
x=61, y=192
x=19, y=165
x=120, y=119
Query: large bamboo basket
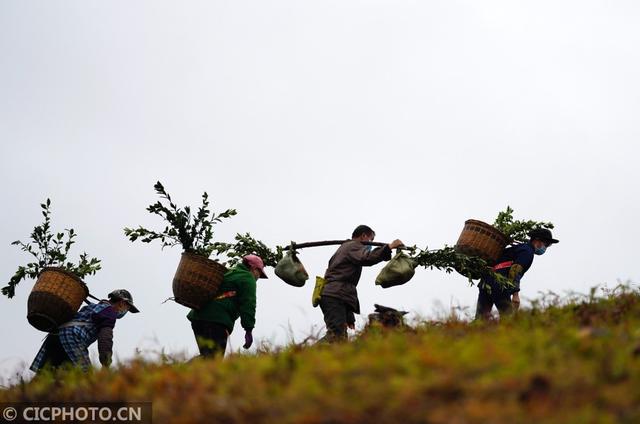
x=55, y=298
x=482, y=240
x=197, y=280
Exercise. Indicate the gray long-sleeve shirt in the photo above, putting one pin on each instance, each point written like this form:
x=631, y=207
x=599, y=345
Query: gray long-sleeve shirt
x=345, y=268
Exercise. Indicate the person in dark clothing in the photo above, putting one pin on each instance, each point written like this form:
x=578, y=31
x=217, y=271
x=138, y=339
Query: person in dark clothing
x=339, y=300
x=69, y=344
x=213, y=323
x=514, y=262
x=211, y=338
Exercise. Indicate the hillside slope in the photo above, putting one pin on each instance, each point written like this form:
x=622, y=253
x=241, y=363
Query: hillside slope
x=573, y=362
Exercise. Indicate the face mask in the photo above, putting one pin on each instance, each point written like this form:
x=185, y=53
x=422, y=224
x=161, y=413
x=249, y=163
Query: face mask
x=368, y=248
x=120, y=314
x=540, y=250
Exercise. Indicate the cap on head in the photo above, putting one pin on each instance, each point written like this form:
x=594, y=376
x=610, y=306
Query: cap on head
x=544, y=235
x=255, y=261
x=122, y=294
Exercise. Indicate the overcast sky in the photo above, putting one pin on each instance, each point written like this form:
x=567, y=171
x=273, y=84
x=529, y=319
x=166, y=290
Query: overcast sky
x=309, y=118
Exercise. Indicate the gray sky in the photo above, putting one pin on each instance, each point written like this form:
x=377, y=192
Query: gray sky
x=309, y=118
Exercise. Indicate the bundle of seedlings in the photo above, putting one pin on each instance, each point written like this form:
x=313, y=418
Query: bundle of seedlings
x=244, y=245
x=59, y=289
x=517, y=231
x=197, y=277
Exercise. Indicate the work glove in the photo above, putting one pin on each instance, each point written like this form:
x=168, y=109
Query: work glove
x=248, y=339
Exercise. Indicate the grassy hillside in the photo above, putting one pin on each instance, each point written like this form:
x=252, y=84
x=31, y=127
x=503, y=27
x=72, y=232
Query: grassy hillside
x=572, y=361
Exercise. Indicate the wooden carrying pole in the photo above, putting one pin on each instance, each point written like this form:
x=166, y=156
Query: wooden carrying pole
x=333, y=243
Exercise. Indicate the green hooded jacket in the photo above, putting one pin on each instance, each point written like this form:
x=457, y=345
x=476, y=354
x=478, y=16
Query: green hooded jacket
x=227, y=310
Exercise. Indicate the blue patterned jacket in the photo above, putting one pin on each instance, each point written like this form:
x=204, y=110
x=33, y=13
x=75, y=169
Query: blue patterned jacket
x=78, y=334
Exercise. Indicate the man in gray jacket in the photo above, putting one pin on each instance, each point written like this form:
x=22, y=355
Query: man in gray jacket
x=339, y=300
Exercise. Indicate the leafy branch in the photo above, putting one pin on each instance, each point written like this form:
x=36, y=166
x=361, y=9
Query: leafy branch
x=245, y=245
x=49, y=250
x=448, y=260
x=194, y=232
x=517, y=231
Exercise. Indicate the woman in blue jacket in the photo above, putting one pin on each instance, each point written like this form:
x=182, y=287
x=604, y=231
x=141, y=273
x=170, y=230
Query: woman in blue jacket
x=514, y=262
x=69, y=344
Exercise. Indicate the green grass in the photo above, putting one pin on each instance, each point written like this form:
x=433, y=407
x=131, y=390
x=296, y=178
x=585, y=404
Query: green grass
x=576, y=360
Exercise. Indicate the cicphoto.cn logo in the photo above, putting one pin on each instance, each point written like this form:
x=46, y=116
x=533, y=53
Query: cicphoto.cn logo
x=120, y=412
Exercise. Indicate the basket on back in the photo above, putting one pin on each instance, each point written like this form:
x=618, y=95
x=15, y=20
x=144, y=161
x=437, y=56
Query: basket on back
x=197, y=280
x=482, y=240
x=55, y=298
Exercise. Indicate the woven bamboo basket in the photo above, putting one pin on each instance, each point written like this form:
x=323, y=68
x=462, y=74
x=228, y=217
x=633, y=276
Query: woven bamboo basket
x=482, y=240
x=197, y=280
x=55, y=298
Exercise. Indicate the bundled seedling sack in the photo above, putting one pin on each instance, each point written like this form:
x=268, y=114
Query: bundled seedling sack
x=291, y=271
x=398, y=271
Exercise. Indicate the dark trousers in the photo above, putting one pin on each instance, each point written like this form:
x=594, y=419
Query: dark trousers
x=55, y=356
x=486, y=300
x=211, y=338
x=337, y=315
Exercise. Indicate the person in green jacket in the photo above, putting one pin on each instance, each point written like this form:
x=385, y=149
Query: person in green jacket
x=236, y=298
